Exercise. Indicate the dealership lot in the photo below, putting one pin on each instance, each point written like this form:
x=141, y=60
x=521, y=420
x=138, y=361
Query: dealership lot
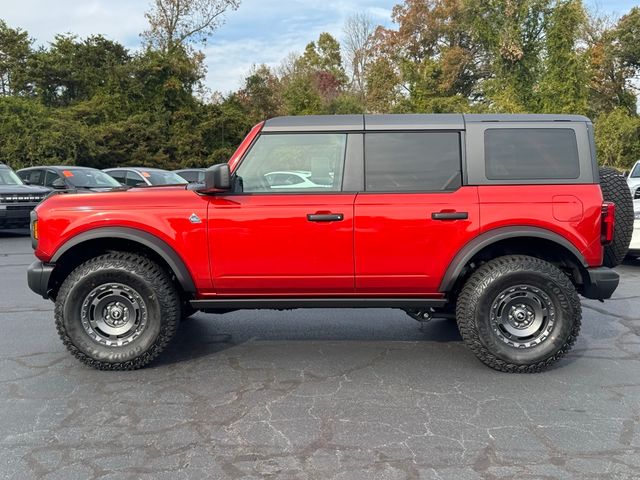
x=315, y=394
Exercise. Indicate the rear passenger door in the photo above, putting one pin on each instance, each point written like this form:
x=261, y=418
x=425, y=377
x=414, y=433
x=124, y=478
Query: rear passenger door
x=414, y=214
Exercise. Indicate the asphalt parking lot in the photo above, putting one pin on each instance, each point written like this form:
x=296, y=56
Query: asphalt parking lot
x=316, y=394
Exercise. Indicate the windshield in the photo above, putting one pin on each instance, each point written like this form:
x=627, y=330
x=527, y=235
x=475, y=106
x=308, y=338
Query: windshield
x=162, y=177
x=89, y=178
x=7, y=177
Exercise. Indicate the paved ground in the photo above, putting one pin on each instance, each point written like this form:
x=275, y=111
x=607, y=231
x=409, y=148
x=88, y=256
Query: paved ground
x=316, y=394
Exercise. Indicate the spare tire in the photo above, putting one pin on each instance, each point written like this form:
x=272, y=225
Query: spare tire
x=615, y=189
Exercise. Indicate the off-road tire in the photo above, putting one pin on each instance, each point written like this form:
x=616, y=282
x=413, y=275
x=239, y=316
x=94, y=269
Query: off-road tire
x=615, y=189
x=485, y=286
x=157, y=292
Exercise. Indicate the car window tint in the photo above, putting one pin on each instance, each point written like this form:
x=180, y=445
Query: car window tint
x=412, y=161
x=531, y=153
x=51, y=177
x=118, y=175
x=134, y=179
x=189, y=176
x=636, y=171
x=294, y=163
x=34, y=177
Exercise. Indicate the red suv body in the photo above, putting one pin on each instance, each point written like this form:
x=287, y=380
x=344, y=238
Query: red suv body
x=350, y=211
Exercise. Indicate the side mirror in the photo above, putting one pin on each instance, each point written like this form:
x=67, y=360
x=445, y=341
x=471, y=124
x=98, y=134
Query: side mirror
x=217, y=179
x=26, y=181
x=58, y=184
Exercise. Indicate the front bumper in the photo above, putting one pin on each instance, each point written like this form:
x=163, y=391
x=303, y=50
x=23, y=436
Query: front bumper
x=15, y=214
x=38, y=275
x=600, y=283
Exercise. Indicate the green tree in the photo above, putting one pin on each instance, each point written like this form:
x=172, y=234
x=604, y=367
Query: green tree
x=15, y=49
x=563, y=86
x=618, y=138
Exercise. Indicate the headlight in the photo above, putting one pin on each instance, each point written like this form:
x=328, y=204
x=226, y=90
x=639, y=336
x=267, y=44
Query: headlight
x=636, y=214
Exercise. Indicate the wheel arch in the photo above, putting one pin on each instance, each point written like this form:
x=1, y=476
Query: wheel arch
x=91, y=242
x=513, y=239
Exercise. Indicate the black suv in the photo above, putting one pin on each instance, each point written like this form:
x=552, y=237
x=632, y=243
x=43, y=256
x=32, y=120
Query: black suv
x=17, y=199
x=69, y=179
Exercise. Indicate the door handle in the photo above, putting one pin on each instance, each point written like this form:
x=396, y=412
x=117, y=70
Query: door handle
x=325, y=217
x=450, y=215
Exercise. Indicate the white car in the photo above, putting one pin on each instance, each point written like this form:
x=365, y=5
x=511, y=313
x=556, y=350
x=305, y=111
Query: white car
x=294, y=179
x=634, y=181
x=634, y=247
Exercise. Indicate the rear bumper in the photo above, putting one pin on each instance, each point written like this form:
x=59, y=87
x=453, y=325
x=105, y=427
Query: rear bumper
x=38, y=275
x=601, y=283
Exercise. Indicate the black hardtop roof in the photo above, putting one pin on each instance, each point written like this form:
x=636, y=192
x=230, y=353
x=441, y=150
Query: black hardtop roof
x=418, y=121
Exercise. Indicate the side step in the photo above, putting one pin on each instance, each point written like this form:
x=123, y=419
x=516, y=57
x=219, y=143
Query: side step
x=291, y=303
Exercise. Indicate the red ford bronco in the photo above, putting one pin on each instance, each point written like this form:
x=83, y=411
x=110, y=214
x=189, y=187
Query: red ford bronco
x=496, y=221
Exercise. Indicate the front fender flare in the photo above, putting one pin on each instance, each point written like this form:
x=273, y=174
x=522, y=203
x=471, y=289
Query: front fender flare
x=159, y=246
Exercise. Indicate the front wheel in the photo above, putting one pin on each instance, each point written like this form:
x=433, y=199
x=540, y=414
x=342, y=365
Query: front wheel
x=117, y=311
x=519, y=314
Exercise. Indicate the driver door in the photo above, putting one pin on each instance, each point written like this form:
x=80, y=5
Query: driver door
x=287, y=227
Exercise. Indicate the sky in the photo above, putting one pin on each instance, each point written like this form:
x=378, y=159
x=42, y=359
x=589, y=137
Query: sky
x=260, y=31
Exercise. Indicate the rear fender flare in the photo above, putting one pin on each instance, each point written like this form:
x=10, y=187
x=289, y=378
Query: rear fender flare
x=493, y=236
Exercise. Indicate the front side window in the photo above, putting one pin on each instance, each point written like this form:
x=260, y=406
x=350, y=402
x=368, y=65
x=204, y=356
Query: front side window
x=53, y=180
x=636, y=171
x=531, y=154
x=134, y=180
x=412, y=162
x=281, y=163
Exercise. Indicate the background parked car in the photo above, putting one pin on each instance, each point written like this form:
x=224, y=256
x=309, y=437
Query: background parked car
x=634, y=181
x=17, y=199
x=145, y=177
x=192, y=175
x=69, y=179
x=634, y=247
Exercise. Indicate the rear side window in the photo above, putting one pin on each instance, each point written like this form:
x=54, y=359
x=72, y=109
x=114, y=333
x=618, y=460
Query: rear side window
x=412, y=161
x=531, y=153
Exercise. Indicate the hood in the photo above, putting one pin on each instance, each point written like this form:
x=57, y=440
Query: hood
x=23, y=190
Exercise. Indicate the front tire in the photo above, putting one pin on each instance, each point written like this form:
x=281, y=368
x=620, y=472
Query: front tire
x=519, y=314
x=117, y=311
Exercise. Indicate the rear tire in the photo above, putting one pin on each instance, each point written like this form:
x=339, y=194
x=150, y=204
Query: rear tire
x=117, y=311
x=519, y=314
x=615, y=189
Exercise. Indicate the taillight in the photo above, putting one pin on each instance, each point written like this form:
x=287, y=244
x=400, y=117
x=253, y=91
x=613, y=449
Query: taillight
x=608, y=222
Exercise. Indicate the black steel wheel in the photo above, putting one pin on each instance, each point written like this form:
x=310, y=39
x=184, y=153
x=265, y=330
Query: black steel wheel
x=117, y=311
x=519, y=314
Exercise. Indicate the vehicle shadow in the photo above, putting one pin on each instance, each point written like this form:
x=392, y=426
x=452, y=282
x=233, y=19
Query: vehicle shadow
x=207, y=335
x=632, y=261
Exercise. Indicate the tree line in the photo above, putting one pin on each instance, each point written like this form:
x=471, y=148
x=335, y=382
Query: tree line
x=92, y=102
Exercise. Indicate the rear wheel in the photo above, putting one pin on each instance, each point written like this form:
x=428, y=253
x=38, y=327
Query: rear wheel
x=519, y=314
x=615, y=189
x=117, y=311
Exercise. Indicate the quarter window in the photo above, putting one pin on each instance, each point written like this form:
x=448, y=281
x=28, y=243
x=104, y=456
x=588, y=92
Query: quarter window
x=412, y=162
x=531, y=154
x=293, y=163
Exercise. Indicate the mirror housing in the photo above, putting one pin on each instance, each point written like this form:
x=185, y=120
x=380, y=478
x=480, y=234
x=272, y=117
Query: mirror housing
x=58, y=184
x=217, y=179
